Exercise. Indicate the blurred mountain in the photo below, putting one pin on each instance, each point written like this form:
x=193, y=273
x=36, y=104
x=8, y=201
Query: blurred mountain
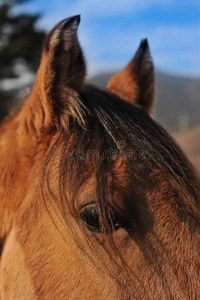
x=177, y=100
x=189, y=141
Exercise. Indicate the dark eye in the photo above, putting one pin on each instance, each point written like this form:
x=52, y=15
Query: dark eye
x=90, y=217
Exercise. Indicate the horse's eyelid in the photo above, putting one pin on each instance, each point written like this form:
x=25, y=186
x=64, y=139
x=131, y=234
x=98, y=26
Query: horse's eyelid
x=88, y=204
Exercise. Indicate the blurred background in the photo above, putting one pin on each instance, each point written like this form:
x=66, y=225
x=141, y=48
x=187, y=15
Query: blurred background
x=110, y=33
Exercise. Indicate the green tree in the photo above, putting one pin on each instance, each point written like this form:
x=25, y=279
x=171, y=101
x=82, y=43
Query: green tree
x=20, y=42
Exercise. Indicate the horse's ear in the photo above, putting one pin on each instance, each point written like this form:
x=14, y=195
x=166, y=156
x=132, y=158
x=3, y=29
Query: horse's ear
x=136, y=82
x=60, y=77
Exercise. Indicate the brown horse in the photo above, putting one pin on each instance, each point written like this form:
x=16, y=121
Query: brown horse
x=96, y=200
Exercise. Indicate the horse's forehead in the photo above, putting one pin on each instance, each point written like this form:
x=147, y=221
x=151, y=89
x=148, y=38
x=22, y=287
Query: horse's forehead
x=119, y=184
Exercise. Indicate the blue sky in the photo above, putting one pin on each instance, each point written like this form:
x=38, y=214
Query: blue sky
x=111, y=30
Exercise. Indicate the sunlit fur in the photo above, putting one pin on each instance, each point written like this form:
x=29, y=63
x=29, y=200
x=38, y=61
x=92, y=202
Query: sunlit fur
x=71, y=145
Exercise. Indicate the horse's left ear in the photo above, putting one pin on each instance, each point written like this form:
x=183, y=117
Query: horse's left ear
x=54, y=98
x=136, y=82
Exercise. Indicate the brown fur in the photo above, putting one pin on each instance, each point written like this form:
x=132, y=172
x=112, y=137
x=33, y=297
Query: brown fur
x=46, y=249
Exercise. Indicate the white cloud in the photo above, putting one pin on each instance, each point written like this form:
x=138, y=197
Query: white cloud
x=60, y=9
x=113, y=7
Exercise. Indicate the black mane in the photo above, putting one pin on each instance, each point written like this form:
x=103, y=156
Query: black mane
x=112, y=123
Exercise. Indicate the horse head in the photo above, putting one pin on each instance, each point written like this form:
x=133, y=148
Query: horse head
x=97, y=201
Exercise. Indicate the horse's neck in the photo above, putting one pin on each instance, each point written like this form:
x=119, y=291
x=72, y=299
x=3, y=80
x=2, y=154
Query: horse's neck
x=21, y=153
x=21, y=134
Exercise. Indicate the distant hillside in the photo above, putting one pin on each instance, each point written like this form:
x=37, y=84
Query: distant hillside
x=190, y=143
x=177, y=103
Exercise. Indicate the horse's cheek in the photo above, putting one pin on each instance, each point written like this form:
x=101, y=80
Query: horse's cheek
x=15, y=280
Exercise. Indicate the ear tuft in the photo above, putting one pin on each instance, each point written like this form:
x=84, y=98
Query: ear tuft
x=68, y=27
x=136, y=82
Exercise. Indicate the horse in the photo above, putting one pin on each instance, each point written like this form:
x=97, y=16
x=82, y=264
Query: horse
x=97, y=201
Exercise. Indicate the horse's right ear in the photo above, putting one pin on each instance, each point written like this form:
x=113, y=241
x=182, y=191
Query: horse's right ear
x=60, y=78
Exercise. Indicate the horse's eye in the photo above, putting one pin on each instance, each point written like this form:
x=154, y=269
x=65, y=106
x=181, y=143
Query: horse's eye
x=90, y=218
